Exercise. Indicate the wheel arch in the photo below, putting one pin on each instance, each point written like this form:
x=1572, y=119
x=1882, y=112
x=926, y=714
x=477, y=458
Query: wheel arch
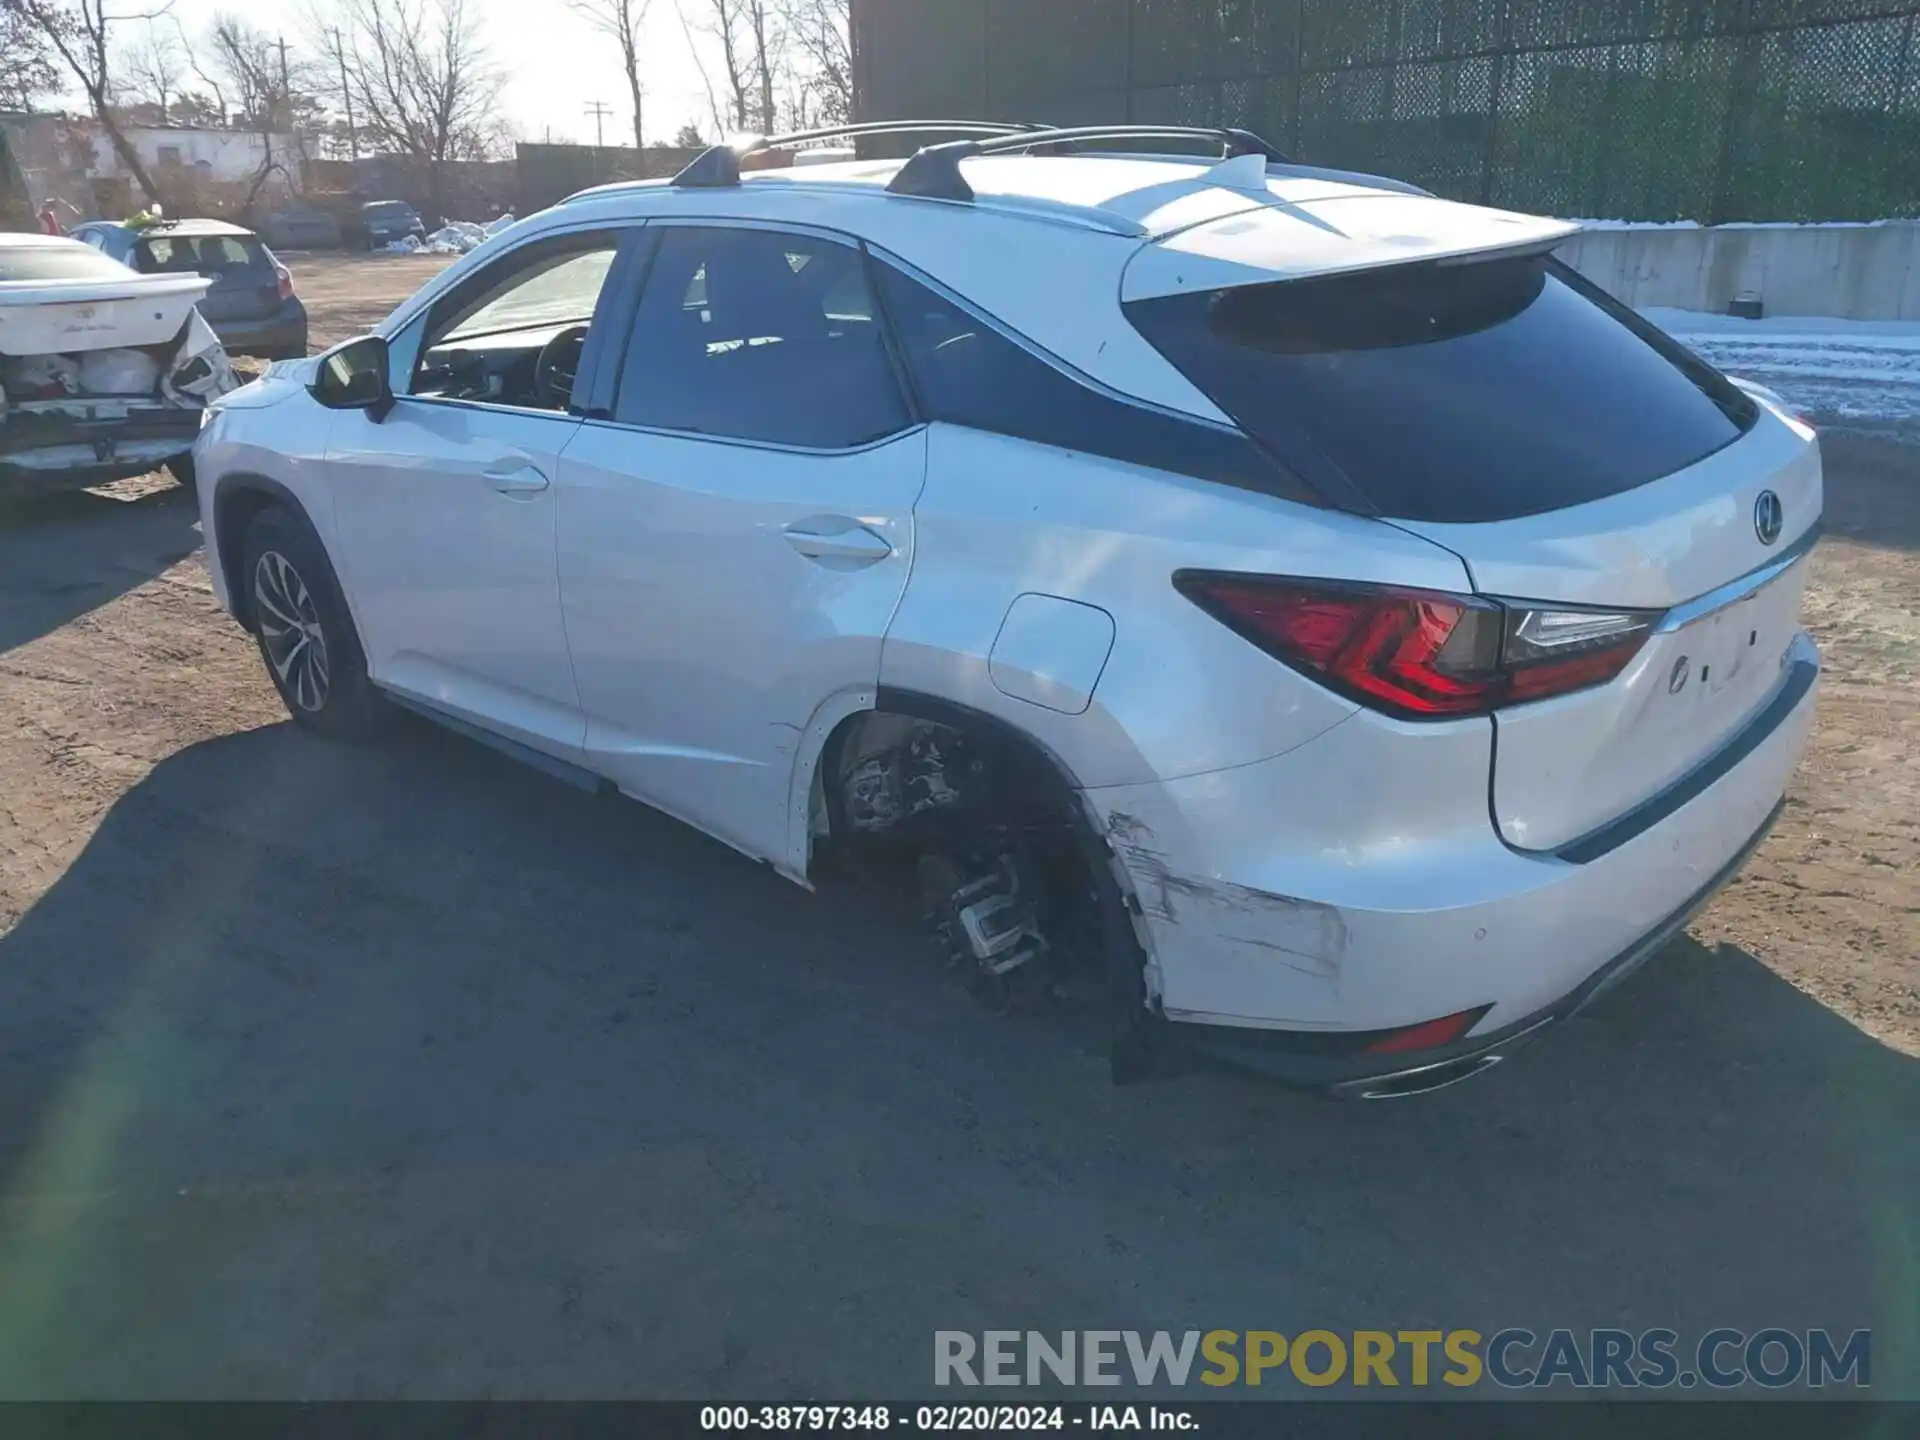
x=1133, y=976
x=238, y=498
x=841, y=716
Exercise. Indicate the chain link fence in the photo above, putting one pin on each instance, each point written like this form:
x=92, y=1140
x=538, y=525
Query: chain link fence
x=1707, y=110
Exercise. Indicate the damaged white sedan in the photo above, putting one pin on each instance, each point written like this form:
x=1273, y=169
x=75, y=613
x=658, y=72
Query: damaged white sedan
x=104, y=372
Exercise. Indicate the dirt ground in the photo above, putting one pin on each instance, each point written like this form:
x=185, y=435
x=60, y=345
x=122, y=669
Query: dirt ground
x=402, y=1070
x=1832, y=902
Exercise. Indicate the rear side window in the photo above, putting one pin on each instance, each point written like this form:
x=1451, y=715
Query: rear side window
x=965, y=372
x=759, y=335
x=1455, y=393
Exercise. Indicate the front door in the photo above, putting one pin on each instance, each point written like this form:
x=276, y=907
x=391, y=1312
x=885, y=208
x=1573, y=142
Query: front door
x=445, y=507
x=734, y=540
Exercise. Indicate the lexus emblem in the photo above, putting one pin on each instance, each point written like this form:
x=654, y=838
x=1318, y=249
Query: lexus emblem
x=1768, y=517
x=1677, y=681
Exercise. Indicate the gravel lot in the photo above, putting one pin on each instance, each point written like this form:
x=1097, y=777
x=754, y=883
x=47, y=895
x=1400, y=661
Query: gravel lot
x=405, y=1071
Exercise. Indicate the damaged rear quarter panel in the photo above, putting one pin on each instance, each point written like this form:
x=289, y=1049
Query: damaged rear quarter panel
x=1341, y=884
x=1249, y=943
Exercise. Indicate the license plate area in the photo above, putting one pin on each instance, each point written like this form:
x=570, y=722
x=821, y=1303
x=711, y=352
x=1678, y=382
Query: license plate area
x=1728, y=662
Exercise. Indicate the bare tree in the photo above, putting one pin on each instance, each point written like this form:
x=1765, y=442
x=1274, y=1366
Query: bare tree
x=83, y=34
x=820, y=31
x=26, y=61
x=153, y=69
x=622, y=19
x=203, y=112
x=724, y=23
x=274, y=93
x=418, y=78
x=216, y=98
x=764, y=31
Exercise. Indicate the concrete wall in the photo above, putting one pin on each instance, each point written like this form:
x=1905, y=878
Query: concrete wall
x=1855, y=272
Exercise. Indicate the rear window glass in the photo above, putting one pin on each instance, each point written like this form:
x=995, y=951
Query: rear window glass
x=58, y=262
x=201, y=254
x=1455, y=393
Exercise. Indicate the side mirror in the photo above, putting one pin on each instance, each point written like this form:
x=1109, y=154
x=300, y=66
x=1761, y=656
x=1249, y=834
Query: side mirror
x=354, y=377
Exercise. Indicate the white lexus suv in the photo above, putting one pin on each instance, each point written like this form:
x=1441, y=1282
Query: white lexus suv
x=1293, y=609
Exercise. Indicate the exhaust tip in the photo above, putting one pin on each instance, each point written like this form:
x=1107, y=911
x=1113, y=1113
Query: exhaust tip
x=1423, y=1081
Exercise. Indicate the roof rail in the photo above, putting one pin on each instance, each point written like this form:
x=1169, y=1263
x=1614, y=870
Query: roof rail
x=719, y=165
x=934, y=173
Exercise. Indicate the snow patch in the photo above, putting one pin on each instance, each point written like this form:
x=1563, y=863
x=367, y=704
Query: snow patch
x=1828, y=369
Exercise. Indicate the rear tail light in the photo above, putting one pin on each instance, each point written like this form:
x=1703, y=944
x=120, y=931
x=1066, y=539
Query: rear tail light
x=1422, y=654
x=286, y=281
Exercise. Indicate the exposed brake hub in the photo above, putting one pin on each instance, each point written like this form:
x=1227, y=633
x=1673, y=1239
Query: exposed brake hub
x=987, y=922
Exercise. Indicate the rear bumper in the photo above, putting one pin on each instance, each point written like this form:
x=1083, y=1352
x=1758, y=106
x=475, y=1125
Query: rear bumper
x=62, y=452
x=282, y=333
x=1294, y=908
x=1352, y=1076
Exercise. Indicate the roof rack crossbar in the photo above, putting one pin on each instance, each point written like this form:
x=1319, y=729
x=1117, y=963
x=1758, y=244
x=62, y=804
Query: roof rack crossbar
x=719, y=165
x=934, y=173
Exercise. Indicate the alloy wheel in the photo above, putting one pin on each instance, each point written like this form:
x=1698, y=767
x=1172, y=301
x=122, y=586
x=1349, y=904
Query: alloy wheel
x=290, y=630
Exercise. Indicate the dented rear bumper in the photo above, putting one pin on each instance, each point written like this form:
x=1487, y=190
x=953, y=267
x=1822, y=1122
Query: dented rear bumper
x=91, y=443
x=1345, y=1068
x=1300, y=906
x=77, y=439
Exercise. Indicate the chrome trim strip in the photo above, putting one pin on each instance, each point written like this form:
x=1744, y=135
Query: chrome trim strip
x=1739, y=589
x=1465, y=1070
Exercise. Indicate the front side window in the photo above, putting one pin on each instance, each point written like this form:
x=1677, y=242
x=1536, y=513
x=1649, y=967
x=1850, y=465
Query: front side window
x=759, y=335
x=513, y=333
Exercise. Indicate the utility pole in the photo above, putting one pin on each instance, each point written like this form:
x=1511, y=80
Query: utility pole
x=599, y=112
x=346, y=96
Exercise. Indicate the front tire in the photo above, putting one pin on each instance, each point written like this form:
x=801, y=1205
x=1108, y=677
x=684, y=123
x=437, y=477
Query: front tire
x=305, y=635
x=181, y=468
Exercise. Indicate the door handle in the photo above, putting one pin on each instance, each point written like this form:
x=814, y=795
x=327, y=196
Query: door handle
x=516, y=475
x=838, y=539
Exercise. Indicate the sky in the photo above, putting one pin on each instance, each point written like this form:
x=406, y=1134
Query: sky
x=556, y=63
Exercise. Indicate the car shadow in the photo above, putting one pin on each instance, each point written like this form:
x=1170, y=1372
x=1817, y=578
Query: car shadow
x=66, y=553
x=1872, y=487
x=403, y=1071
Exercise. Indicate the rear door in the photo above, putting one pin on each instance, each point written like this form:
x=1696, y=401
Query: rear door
x=1570, y=454
x=737, y=531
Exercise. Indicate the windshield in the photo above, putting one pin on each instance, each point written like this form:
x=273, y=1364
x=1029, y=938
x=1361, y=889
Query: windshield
x=388, y=210
x=1462, y=393
x=58, y=262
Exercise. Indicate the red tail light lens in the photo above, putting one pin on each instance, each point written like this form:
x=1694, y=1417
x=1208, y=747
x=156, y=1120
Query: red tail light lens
x=1428, y=1035
x=286, y=281
x=1421, y=654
